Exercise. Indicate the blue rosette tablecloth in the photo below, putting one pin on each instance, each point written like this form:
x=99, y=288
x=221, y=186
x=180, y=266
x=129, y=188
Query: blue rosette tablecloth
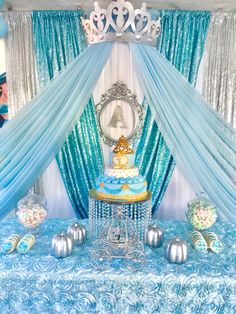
x=37, y=282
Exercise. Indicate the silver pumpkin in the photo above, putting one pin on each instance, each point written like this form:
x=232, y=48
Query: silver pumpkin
x=176, y=251
x=62, y=245
x=154, y=236
x=78, y=233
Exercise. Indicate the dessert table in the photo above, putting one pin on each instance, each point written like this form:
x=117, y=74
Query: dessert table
x=37, y=282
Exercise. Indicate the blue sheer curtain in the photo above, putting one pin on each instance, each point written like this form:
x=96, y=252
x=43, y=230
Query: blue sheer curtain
x=182, y=43
x=202, y=143
x=59, y=38
x=30, y=141
x=80, y=159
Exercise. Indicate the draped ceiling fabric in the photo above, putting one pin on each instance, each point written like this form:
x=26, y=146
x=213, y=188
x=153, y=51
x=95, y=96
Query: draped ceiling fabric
x=75, y=160
x=202, y=143
x=220, y=66
x=22, y=83
x=30, y=141
x=80, y=159
x=182, y=43
x=184, y=48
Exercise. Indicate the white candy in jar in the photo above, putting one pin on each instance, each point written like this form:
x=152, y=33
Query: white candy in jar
x=32, y=217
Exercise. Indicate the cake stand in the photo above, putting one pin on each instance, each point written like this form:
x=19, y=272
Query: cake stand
x=101, y=210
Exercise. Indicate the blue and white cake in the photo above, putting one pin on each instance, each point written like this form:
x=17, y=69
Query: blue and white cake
x=121, y=180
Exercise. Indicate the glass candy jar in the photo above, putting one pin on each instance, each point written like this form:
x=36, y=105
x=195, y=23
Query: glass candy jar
x=32, y=211
x=201, y=213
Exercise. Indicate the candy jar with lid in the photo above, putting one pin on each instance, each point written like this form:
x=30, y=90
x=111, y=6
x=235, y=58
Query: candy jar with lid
x=201, y=212
x=32, y=211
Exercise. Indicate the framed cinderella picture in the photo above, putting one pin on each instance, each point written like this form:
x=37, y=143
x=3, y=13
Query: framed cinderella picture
x=119, y=113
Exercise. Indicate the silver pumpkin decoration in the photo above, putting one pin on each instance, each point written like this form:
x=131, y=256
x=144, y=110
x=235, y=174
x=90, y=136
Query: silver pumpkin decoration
x=78, y=233
x=154, y=236
x=176, y=251
x=62, y=245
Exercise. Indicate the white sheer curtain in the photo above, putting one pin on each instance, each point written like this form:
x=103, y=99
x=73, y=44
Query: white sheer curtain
x=179, y=192
x=118, y=68
x=22, y=85
x=58, y=202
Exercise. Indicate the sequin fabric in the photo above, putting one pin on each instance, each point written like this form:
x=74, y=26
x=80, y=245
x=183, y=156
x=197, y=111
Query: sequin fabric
x=219, y=77
x=37, y=282
x=80, y=159
x=22, y=82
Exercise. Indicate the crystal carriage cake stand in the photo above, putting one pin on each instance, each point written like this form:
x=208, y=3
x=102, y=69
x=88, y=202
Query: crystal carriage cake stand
x=120, y=209
x=119, y=239
x=101, y=210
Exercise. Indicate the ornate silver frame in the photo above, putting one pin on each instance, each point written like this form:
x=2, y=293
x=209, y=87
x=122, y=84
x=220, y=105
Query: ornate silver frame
x=119, y=91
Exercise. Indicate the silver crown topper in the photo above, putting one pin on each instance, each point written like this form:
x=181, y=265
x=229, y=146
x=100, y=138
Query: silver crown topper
x=121, y=22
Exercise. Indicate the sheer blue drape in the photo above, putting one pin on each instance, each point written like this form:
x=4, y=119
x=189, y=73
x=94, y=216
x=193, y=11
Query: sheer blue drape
x=56, y=45
x=182, y=42
x=59, y=38
x=202, y=143
x=30, y=141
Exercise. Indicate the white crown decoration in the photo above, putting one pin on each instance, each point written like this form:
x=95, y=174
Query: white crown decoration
x=121, y=22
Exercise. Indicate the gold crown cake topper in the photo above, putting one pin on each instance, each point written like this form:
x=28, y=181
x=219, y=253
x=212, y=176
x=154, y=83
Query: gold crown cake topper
x=122, y=147
x=121, y=22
